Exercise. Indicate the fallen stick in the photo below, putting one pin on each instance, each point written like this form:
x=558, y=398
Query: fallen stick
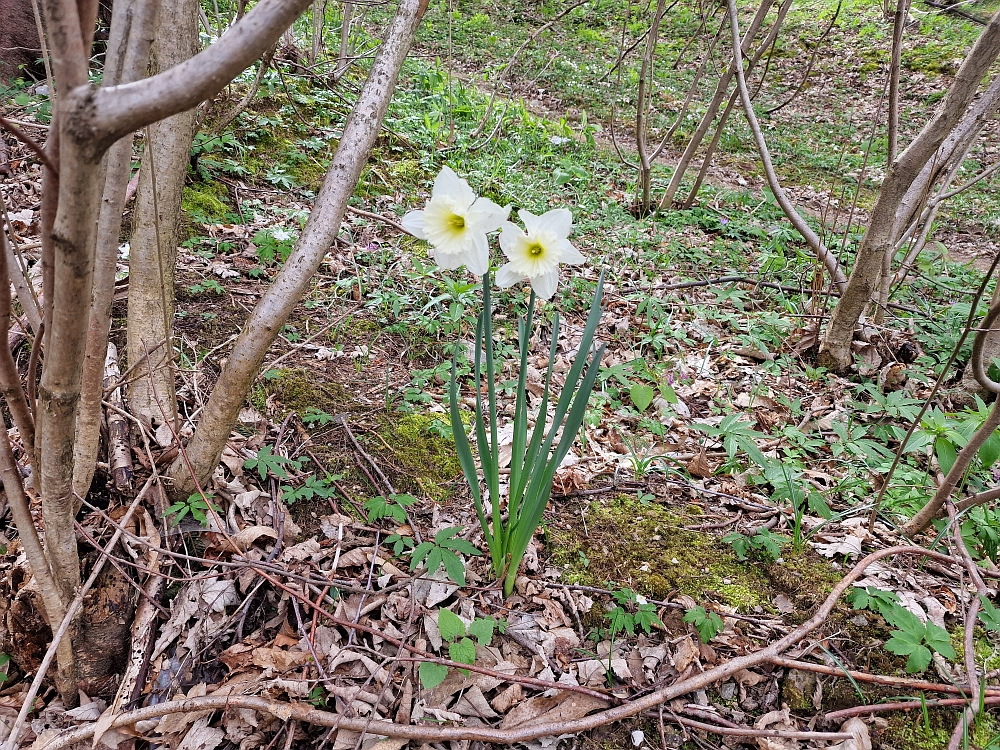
x=877, y=679
x=846, y=713
x=119, y=445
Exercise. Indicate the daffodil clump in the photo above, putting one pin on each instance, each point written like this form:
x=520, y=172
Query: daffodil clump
x=457, y=223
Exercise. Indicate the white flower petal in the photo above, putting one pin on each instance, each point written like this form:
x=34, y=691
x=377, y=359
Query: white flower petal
x=509, y=236
x=558, y=221
x=487, y=216
x=545, y=285
x=449, y=185
x=449, y=261
x=507, y=276
x=413, y=222
x=478, y=258
x=569, y=254
x=529, y=220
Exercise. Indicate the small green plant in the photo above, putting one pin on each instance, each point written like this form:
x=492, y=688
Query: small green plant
x=916, y=639
x=736, y=435
x=274, y=245
x=197, y=506
x=444, y=550
x=762, y=540
x=989, y=615
x=313, y=417
x=317, y=696
x=310, y=488
x=399, y=543
x=393, y=507
x=267, y=462
x=205, y=286
x=461, y=648
x=876, y=600
x=630, y=612
x=708, y=624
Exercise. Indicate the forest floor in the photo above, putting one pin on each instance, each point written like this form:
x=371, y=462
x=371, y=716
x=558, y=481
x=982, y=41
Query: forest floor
x=722, y=483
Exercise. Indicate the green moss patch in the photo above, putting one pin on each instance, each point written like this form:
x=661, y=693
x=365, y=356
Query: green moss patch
x=203, y=201
x=647, y=548
x=427, y=461
x=297, y=390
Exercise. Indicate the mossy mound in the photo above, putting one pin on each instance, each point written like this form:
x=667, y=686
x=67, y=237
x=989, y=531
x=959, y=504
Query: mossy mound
x=203, y=201
x=426, y=459
x=298, y=389
x=907, y=730
x=647, y=548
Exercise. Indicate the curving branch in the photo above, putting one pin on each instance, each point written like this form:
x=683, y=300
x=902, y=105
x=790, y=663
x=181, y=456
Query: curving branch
x=930, y=511
x=800, y=224
x=119, y=110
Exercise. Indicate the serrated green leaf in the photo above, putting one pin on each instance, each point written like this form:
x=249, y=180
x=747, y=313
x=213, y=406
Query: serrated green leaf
x=463, y=651
x=901, y=645
x=904, y=620
x=939, y=640
x=482, y=629
x=419, y=553
x=453, y=565
x=918, y=660
x=641, y=396
x=432, y=675
x=450, y=625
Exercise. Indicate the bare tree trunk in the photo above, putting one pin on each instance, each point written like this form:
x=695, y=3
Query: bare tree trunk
x=86, y=122
x=153, y=254
x=344, y=58
x=713, y=108
x=898, y=23
x=132, y=26
x=360, y=131
x=800, y=224
x=720, y=128
x=835, y=350
x=643, y=109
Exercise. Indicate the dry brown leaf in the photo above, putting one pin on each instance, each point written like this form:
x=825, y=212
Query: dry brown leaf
x=508, y=697
x=542, y=710
x=699, y=466
x=686, y=653
x=278, y=659
x=202, y=737
x=860, y=741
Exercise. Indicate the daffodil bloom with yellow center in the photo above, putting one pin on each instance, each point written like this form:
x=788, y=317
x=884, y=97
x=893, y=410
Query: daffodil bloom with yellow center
x=455, y=222
x=535, y=252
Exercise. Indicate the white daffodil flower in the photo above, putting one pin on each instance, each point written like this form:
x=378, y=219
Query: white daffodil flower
x=535, y=252
x=455, y=222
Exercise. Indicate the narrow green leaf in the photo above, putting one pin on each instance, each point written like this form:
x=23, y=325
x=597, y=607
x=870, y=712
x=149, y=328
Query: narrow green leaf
x=990, y=450
x=946, y=454
x=453, y=565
